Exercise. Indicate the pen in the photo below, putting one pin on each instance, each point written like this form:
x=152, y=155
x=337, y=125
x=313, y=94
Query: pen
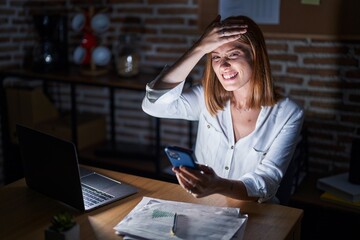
x=173, y=229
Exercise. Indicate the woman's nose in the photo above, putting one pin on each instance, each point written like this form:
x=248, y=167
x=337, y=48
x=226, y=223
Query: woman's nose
x=224, y=62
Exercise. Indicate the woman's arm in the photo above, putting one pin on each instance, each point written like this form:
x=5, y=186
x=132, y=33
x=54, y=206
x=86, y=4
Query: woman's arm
x=165, y=96
x=212, y=38
x=265, y=180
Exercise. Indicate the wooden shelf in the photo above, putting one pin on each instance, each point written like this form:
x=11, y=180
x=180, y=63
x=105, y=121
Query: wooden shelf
x=307, y=193
x=73, y=77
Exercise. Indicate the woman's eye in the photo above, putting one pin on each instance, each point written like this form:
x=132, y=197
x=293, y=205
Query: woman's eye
x=215, y=58
x=234, y=55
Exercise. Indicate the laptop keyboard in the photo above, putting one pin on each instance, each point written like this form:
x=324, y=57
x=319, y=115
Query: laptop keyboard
x=93, y=196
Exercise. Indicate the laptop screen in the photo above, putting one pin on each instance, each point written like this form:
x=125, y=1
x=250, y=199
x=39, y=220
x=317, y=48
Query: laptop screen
x=50, y=166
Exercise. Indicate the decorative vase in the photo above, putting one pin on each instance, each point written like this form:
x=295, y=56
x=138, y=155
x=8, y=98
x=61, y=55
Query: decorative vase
x=71, y=234
x=127, y=57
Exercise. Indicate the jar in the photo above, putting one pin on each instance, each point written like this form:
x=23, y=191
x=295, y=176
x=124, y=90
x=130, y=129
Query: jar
x=127, y=56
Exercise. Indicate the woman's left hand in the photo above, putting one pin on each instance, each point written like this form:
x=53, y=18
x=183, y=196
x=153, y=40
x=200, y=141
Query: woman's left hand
x=199, y=182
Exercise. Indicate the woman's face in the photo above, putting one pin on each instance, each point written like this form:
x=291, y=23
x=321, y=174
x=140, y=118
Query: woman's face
x=231, y=63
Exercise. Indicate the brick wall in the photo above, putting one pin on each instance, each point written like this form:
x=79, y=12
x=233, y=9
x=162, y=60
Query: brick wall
x=322, y=75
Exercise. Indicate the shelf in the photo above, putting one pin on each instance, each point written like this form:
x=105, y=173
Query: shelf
x=308, y=194
x=142, y=160
x=322, y=219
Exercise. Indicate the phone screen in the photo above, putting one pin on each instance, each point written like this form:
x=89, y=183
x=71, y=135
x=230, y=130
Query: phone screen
x=181, y=157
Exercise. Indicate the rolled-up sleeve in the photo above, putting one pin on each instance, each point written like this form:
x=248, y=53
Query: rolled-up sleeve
x=163, y=96
x=175, y=103
x=265, y=180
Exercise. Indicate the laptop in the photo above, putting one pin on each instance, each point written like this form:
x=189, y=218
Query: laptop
x=51, y=167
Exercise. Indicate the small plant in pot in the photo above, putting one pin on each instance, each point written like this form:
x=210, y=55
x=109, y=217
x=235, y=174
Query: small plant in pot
x=63, y=227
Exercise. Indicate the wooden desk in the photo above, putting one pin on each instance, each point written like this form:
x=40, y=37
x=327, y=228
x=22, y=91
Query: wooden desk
x=24, y=214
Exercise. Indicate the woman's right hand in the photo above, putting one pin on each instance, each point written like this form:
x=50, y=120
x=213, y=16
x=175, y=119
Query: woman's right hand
x=221, y=32
x=200, y=182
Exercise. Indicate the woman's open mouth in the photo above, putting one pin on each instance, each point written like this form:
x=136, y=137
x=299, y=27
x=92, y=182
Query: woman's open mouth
x=229, y=76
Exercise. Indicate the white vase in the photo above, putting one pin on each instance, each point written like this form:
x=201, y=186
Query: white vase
x=71, y=234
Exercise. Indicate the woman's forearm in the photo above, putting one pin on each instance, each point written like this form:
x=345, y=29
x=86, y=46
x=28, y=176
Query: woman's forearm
x=234, y=189
x=181, y=69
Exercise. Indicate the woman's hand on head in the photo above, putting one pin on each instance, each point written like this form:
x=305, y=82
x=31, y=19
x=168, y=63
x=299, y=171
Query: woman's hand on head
x=200, y=183
x=220, y=32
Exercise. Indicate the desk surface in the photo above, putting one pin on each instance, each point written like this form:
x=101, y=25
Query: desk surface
x=24, y=214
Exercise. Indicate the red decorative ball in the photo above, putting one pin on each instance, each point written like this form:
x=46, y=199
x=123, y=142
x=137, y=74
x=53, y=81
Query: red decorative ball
x=89, y=41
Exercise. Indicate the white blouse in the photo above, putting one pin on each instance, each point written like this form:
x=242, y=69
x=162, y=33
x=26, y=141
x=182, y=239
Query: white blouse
x=259, y=160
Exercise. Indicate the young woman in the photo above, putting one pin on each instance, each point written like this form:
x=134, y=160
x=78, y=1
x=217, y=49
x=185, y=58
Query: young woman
x=247, y=133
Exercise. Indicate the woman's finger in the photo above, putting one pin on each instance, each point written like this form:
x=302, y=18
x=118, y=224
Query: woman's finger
x=232, y=31
x=185, y=182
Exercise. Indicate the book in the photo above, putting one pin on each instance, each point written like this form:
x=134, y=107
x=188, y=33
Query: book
x=326, y=196
x=340, y=186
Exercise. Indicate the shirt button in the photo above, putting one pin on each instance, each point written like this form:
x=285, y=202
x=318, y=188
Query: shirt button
x=226, y=168
x=232, y=147
x=208, y=126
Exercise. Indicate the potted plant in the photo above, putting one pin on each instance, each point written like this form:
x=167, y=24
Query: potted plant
x=63, y=227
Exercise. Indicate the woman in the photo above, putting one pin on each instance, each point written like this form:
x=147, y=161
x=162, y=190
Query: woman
x=247, y=133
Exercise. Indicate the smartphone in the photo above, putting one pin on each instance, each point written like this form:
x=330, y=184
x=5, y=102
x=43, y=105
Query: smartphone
x=179, y=156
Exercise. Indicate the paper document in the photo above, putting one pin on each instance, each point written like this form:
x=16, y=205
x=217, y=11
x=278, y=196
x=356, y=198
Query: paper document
x=154, y=218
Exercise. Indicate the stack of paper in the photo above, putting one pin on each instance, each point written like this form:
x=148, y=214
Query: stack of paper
x=326, y=196
x=338, y=189
x=154, y=218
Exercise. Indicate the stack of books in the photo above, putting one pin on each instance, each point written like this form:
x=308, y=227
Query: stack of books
x=339, y=190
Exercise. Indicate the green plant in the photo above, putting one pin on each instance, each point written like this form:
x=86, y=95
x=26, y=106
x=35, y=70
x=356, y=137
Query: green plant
x=62, y=222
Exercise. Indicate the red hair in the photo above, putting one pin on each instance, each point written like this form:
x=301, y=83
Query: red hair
x=263, y=91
